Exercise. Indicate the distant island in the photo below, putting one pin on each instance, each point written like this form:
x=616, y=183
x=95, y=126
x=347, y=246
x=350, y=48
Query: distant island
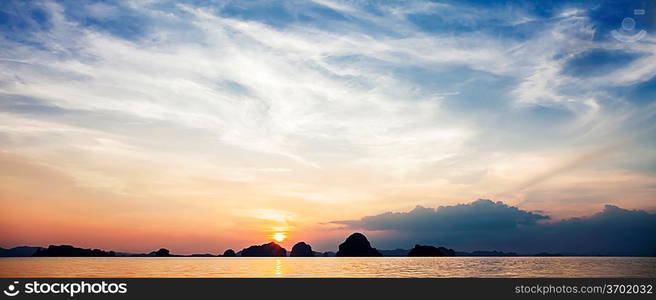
x=355, y=245
x=301, y=249
x=67, y=250
x=421, y=250
x=270, y=249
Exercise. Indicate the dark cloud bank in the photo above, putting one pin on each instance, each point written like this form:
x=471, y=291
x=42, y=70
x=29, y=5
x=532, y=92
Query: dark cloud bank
x=488, y=225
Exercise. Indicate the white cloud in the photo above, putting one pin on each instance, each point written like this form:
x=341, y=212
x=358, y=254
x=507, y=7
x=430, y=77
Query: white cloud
x=302, y=97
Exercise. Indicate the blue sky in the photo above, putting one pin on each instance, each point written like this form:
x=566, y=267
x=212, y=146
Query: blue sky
x=315, y=111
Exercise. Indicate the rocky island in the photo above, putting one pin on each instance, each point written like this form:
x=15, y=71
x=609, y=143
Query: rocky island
x=270, y=249
x=301, y=249
x=421, y=250
x=357, y=245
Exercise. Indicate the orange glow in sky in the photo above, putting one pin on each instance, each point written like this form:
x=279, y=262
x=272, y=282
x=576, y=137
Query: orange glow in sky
x=279, y=236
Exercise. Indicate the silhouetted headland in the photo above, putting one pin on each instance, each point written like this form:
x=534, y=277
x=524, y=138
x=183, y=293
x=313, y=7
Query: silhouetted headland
x=270, y=249
x=301, y=249
x=68, y=250
x=546, y=254
x=202, y=255
x=229, y=253
x=21, y=251
x=422, y=250
x=487, y=253
x=163, y=252
x=357, y=245
x=160, y=252
x=394, y=252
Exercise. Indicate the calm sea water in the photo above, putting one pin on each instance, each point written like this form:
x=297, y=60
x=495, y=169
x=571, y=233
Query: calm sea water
x=328, y=267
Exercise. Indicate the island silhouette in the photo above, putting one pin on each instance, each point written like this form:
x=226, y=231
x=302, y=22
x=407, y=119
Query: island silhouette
x=67, y=250
x=427, y=250
x=269, y=249
x=301, y=249
x=355, y=245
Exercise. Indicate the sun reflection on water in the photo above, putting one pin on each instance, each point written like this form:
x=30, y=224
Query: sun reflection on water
x=278, y=268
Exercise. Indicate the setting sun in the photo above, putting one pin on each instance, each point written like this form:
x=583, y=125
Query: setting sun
x=279, y=236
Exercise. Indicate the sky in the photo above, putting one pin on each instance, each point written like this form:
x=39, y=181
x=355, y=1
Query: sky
x=205, y=125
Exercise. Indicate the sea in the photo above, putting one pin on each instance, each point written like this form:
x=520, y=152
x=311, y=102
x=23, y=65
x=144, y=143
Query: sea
x=323, y=267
